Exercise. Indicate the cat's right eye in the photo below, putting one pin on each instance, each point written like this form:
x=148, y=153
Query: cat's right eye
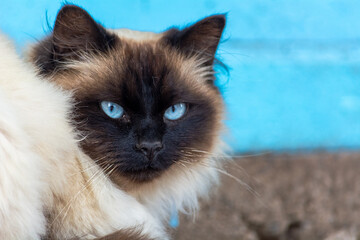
x=175, y=112
x=111, y=109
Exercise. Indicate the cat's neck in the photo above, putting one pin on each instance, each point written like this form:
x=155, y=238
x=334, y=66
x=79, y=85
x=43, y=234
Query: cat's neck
x=179, y=189
x=89, y=204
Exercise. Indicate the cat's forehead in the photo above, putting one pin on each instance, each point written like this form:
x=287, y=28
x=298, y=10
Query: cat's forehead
x=137, y=63
x=124, y=33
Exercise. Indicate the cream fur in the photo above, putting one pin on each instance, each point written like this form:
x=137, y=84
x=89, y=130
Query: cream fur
x=138, y=36
x=42, y=171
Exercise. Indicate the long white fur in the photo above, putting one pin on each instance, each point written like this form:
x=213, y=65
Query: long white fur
x=21, y=173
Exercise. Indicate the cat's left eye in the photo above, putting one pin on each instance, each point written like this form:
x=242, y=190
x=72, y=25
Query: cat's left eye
x=111, y=109
x=175, y=111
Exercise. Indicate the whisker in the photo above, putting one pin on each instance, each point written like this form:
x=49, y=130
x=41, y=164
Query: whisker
x=93, y=166
x=244, y=184
x=252, y=155
x=192, y=152
x=112, y=170
x=68, y=205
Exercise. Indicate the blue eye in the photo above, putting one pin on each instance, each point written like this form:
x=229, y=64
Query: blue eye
x=175, y=111
x=111, y=109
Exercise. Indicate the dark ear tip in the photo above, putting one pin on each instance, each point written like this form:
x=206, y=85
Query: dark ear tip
x=70, y=9
x=218, y=20
x=72, y=17
x=221, y=18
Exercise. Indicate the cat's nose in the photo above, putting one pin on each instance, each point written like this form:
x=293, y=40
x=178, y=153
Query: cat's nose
x=149, y=148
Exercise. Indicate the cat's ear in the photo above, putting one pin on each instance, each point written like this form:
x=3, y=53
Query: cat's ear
x=76, y=32
x=200, y=39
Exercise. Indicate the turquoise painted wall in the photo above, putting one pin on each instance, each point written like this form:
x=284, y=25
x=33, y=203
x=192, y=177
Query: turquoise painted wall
x=294, y=79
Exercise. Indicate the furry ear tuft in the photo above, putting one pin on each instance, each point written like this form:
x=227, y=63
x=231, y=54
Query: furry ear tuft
x=75, y=31
x=201, y=38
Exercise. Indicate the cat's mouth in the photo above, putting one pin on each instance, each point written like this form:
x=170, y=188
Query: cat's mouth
x=144, y=174
x=135, y=170
x=146, y=169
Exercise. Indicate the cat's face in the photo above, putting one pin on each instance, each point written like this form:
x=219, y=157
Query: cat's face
x=145, y=102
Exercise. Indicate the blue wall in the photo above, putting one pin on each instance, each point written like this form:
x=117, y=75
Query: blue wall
x=294, y=65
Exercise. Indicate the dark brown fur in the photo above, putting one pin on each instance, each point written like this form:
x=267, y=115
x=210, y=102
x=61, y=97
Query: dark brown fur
x=126, y=235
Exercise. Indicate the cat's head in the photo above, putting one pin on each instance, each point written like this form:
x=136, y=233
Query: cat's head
x=146, y=102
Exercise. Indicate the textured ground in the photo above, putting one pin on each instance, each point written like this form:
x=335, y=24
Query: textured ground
x=292, y=197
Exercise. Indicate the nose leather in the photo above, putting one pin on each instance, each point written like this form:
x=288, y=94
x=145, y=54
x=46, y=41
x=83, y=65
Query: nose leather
x=149, y=148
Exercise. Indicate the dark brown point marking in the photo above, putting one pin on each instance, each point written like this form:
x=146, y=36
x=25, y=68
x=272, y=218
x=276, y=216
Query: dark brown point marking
x=132, y=234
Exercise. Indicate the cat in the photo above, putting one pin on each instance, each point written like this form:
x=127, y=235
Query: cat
x=150, y=118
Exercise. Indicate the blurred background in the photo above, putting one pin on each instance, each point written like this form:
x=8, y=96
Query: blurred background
x=293, y=97
x=294, y=79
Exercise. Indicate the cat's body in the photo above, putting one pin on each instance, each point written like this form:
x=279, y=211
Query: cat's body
x=32, y=122
x=116, y=177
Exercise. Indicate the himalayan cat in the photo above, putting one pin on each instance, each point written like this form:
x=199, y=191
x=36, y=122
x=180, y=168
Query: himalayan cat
x=149, y=120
